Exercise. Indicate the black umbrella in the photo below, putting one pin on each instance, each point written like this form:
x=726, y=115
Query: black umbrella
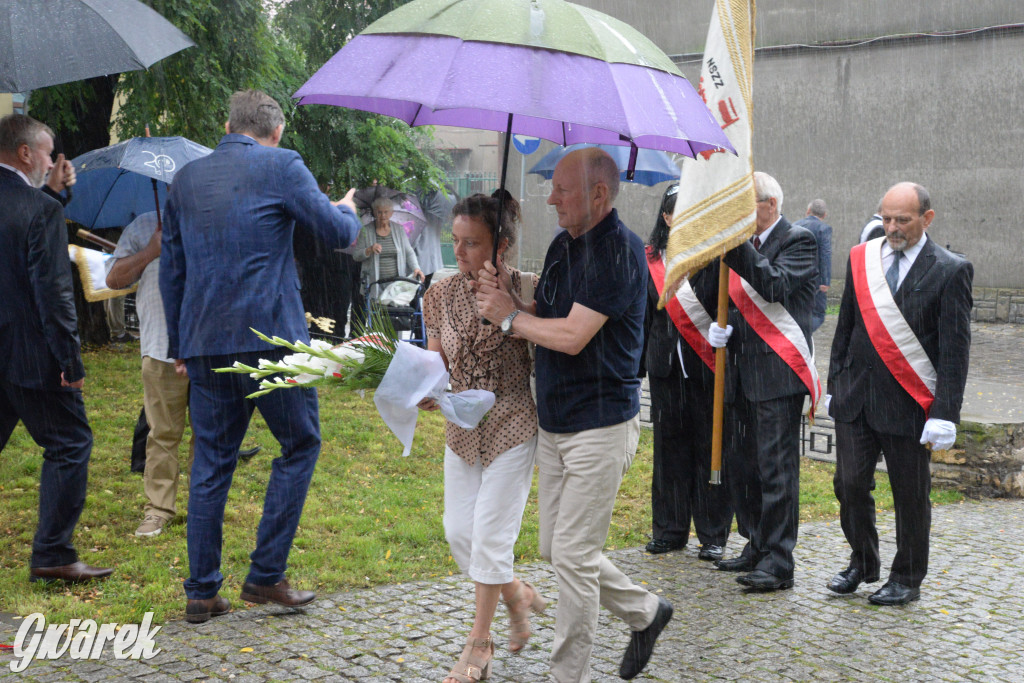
x=46, y=42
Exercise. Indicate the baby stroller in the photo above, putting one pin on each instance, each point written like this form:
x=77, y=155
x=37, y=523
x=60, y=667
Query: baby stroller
x=399, y=298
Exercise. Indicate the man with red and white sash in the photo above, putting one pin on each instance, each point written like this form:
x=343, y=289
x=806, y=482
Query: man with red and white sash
x=896, y=383
x=770, y=370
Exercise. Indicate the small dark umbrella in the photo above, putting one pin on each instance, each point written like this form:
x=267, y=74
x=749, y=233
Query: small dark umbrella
x=365, y=197
x=117, y=183
x=46, y=42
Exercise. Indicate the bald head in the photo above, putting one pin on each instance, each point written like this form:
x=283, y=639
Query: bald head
x=906, y=213
x=583, y=189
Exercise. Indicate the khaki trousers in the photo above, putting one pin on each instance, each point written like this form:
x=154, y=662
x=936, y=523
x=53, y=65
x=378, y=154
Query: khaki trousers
x=579, y=477
x=165, y=396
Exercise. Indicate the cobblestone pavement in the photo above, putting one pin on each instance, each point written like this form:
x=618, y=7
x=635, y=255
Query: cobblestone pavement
x=966, y=627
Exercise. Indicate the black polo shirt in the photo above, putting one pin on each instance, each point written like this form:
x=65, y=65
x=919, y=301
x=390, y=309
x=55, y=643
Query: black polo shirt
x=605, y=270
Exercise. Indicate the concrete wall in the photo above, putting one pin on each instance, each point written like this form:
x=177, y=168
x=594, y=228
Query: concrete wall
x=846, y=123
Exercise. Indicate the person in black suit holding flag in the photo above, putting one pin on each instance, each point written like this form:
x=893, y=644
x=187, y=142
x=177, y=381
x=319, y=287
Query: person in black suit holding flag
x=896, y=383
x=770, y=370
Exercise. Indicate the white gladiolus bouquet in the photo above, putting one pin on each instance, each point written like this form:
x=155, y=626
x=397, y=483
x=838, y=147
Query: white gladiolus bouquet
x=356, y=364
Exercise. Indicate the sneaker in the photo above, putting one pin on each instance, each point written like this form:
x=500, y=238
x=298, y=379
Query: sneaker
x=152, y=525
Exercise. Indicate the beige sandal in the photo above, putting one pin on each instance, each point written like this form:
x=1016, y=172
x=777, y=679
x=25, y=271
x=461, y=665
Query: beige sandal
x=519, y=620
x=469, y=669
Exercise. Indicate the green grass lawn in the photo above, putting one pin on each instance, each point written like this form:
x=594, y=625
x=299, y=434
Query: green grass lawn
x=372, y=517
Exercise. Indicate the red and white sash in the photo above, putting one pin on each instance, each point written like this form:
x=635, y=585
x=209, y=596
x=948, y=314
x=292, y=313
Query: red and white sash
x=685, y=310
x=888, y=330
x=779, y=330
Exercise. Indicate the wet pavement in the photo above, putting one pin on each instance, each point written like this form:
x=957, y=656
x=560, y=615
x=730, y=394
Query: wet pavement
x=965, y=627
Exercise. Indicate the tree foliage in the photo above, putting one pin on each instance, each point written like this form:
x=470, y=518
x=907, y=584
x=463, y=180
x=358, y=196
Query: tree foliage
x=239, y=44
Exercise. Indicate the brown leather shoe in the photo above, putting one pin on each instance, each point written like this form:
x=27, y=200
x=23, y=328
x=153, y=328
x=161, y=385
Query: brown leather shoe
x=77, y=572
x=198, y=611
x=281, y=593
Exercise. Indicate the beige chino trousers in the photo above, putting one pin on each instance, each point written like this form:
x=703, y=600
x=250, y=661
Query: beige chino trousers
x=165, y=396
x=579, y=477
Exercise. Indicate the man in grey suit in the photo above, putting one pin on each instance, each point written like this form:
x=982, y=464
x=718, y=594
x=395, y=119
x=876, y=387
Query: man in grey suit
x=41, y=371
x=822, y=231
x=896, y=383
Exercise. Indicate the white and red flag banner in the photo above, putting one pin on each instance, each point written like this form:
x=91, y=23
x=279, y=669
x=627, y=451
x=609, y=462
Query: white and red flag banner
x=715, y=210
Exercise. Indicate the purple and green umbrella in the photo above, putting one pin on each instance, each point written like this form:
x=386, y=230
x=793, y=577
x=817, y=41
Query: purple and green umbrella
x=545, y=68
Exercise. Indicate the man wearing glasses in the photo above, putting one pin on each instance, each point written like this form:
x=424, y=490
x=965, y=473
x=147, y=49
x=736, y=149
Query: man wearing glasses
x=896, y=382
x=770, y=370
x=587, y=322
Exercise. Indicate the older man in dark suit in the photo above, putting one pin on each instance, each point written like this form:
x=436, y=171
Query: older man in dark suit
x=770, y=370
x=896, y=381
x=822, y=231
x=41, y=371
x=227, y=265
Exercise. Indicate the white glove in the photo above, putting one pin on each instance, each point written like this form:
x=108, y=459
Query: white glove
x=940, y=433
x=719, y=337
x=828, y=402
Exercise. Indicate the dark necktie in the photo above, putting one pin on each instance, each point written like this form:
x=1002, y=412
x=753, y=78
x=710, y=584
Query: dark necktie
x=757, y=242
x=892, y=276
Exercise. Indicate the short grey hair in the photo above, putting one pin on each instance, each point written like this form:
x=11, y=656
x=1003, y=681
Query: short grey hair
x=381, y=203
x=767, y=187
x=255, y=113
x=817, y=208
x=17, y=130
x=600, y=168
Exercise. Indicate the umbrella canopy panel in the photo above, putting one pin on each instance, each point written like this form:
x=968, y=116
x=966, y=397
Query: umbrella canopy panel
x=46, y=42
x=652, y=167
x=115, y=183
x=565, y=98
x=548, y=24
x=112, y=198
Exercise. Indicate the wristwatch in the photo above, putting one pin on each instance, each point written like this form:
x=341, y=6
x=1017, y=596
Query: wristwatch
x=506, y=324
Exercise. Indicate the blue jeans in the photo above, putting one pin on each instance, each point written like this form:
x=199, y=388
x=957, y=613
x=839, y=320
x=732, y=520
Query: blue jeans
x=56, y=421
x=220, y=415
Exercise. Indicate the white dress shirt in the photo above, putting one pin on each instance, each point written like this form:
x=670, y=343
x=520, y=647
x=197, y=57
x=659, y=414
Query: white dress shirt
x=909, y=255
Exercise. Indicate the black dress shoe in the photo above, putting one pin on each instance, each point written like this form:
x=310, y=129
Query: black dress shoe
x=893, y=593
x=77, y=572
x=198, y=611
x=280, y=593
x=760, y=581
x=736, y=564
x=847, y=580
x=658, y=546
x=641, y=643
x=710, y=552
x=246, y=455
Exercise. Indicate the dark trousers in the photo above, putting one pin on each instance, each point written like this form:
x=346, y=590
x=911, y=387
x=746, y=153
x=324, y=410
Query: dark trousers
x=220, y=414
x=762, y=470
x=909, y=466
x=681, y=415
x=56, y=421
x=818, y=312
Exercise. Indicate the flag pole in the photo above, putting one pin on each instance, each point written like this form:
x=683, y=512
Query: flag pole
x=718, y=416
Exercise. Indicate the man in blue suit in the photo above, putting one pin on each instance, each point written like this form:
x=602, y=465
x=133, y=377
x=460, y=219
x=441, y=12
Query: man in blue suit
x=41, y=371
x=822, y=231
x=227, y=265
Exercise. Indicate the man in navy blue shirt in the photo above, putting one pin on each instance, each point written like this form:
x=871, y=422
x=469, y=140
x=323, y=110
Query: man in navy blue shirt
x=587, y=321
